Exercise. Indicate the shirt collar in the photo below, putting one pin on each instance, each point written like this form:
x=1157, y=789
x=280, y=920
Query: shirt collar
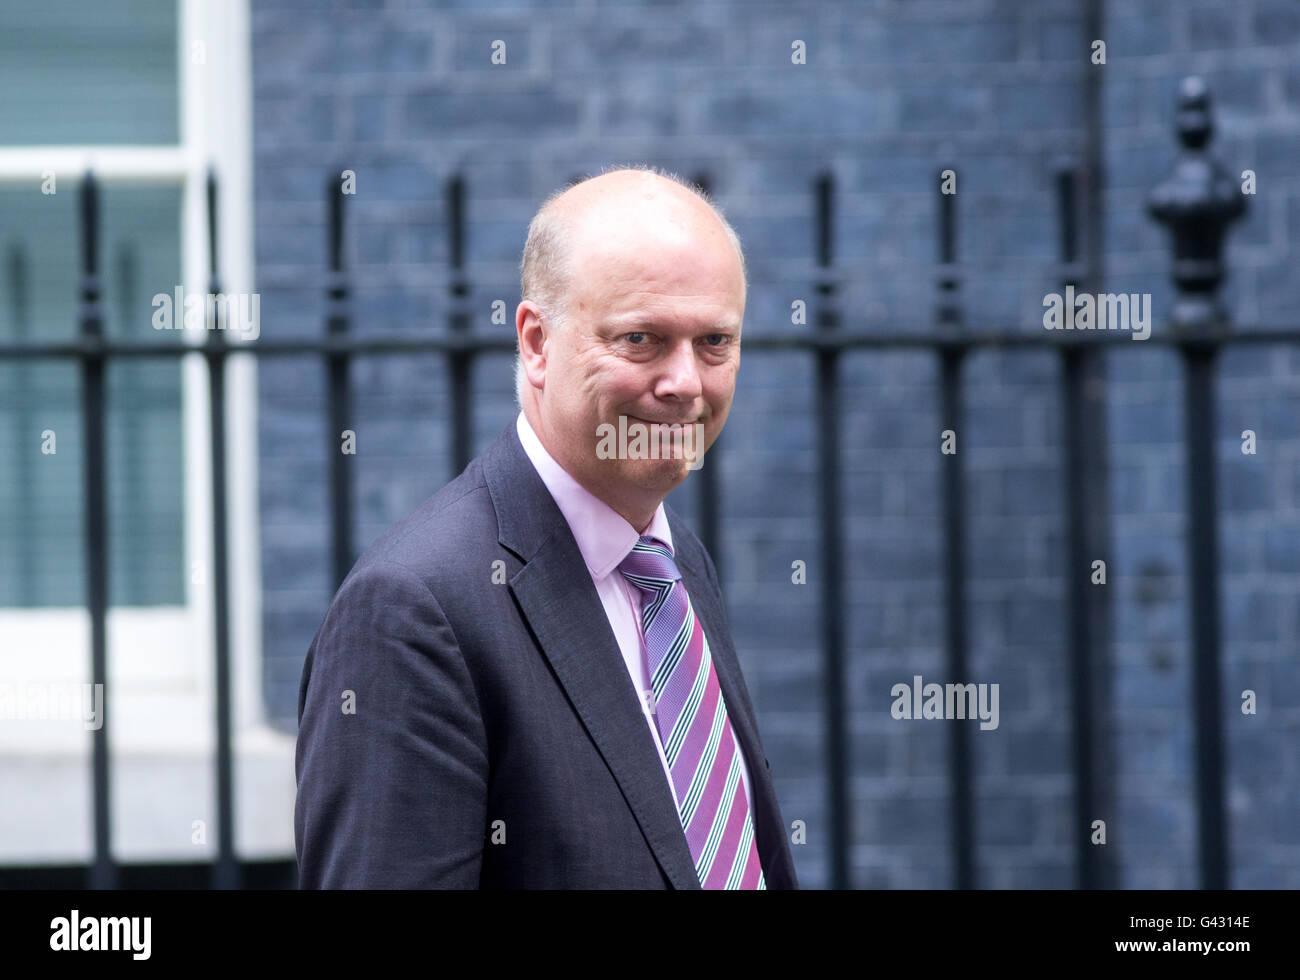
x=603, y=535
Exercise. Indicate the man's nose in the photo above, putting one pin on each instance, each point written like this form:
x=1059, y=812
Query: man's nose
x=681, y=376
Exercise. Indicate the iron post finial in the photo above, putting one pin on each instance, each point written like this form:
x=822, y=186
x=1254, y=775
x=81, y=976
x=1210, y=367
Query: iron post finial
x=1197, y=202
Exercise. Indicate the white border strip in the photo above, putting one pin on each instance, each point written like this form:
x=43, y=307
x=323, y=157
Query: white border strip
x=136, y=164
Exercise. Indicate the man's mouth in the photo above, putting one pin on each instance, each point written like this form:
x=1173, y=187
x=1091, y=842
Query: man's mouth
x=675, y=426
x=640, y=438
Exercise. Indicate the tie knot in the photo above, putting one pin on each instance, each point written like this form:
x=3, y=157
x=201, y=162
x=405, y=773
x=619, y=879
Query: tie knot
x=649, y=565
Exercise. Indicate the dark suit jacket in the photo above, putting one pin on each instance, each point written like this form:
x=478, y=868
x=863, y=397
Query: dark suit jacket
x=488, y=686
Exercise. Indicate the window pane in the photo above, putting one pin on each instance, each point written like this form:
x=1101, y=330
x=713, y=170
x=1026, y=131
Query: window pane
x=41, y=561
x=86, y=71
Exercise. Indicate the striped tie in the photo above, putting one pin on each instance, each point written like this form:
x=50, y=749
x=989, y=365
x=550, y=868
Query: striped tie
x=693, y=725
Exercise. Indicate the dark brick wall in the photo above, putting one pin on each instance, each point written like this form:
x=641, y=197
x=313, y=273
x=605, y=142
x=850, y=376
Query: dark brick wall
x=404, y=94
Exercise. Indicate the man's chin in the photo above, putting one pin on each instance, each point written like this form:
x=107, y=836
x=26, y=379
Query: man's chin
x=660, y=475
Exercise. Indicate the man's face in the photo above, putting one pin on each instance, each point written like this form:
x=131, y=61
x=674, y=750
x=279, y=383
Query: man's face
x=652, y=334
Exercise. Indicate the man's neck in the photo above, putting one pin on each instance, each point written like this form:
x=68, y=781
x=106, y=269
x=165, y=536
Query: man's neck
x=635, y=514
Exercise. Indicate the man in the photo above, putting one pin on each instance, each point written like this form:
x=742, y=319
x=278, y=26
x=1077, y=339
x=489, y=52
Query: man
x=528, y=682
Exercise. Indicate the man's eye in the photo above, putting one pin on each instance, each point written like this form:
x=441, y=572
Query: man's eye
x=721, y=336
x=632, y=335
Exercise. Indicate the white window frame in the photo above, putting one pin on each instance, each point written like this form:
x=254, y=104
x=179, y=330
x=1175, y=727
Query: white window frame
x=161, y=709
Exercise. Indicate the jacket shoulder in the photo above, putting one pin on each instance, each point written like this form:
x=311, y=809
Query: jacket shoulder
x=450, y=528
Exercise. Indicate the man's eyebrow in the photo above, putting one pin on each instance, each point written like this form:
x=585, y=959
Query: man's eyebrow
x=635, y=320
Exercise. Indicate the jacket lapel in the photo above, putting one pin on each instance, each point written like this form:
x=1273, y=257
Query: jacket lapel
x=569, y=621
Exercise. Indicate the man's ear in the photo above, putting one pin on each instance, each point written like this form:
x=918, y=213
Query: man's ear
x=531, y=337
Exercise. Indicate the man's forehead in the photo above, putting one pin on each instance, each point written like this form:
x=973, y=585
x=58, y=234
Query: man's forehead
x=636, y=241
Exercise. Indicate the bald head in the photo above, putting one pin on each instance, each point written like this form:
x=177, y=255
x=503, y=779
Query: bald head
x=626, y=209
x=633, y=300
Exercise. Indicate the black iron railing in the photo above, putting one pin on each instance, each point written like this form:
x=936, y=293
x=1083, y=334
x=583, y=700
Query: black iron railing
x=1193, y=203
